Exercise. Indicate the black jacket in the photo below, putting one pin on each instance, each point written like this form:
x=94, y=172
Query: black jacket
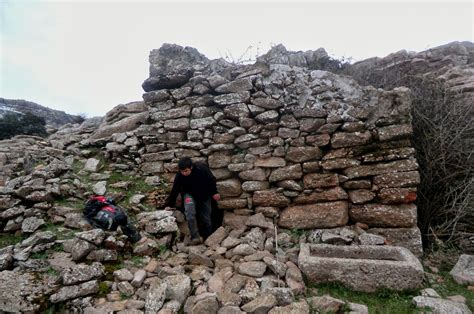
x=200, y=184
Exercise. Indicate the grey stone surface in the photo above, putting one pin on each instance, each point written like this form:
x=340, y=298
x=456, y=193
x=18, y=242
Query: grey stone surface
x=21, y=292
x=463, y=271
x=362, y=268
x=440, y=305
x=72, y=292
x=81, y=273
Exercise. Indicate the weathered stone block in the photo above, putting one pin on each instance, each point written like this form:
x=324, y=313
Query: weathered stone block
x=253, y=175
x=202, y=123
x=381, y=168
x=311, y=125
x=321, y=215
x=181, y=124
x=286, y=173
x=397, y=179
x=232, y=98
x=251, y=186
x=318, y=140
x=332, y=194
x=267, y=116
x=409, y=238
x=236, y=111
x=272, y=162
x=346, y=139
x=218, y=161
x=379, y=215
x=232, y=203
x=357, y=184
x=340, y=163
x=361, y=196
x=362, y=268
x=240, y=85
x=319, y=180
x=270, y=198
x=302, y=154
x=267, y=103
x=288, y=133
x=397, y=195
x=395, y=132
x=463, y=271
x=229, y=187
x=152, y=167
x=175, y=113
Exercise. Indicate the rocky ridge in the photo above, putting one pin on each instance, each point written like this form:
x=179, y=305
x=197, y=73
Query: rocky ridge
x=53, y=118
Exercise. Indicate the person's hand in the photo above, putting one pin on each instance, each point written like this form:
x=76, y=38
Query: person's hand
x=216, y=197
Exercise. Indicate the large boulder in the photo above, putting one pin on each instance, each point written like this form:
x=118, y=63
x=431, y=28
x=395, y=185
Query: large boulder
x=172, y=66
x=21, y=292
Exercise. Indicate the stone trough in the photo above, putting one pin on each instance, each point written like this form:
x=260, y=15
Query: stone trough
x=365, y=268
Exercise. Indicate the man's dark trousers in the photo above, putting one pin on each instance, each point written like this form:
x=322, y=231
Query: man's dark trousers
x=195, y=212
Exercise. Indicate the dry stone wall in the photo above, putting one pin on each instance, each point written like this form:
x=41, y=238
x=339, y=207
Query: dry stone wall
x=313, y=149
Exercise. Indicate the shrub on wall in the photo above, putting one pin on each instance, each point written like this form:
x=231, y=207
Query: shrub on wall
x=443, y=130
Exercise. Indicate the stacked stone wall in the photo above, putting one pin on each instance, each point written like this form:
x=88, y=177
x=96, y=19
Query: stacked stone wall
x=313, y=149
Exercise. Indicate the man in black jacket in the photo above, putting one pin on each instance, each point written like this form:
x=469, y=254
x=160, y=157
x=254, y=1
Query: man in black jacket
x=197, y=186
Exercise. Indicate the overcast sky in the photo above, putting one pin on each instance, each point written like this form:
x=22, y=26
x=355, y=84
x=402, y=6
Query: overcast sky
x=89, y=56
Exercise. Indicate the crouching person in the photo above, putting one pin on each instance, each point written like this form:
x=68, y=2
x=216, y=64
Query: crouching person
x=102, y=213
x=197, y=186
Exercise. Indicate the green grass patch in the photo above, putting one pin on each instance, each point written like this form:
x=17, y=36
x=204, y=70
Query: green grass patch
x=450, y=287
x=381, y=302
x=110, y=267
x=58, y=247
x=51, y=271
x=138, y=261
x=162, y=249
x=104, y=289
x=70, y=202
x=7, y=239
x=39, y=255
x=77, y=166
x=124, y=296
x=387, y=301
x=55, y=308
x=137, y=186
x=117, y=177
x=60, y=232
x=49, y=226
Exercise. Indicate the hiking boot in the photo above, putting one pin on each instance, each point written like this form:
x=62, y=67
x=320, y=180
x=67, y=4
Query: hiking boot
x=195, y=241
x=135, y=237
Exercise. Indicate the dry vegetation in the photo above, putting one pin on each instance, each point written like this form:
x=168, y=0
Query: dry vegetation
x=444, y=142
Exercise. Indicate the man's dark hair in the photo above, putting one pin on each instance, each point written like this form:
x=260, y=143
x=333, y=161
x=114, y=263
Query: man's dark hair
x=184, y=163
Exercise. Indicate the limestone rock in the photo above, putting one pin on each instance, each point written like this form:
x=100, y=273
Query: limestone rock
x=155, y=297
x=293, y=172
x=270, y=198
x=81, y=273
x=320, y=215
x=441, y=305
x=463, y=271
x=72, y=292
x=379, y=215
x=253, y=269
x=21, y=292
x=261, y=304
